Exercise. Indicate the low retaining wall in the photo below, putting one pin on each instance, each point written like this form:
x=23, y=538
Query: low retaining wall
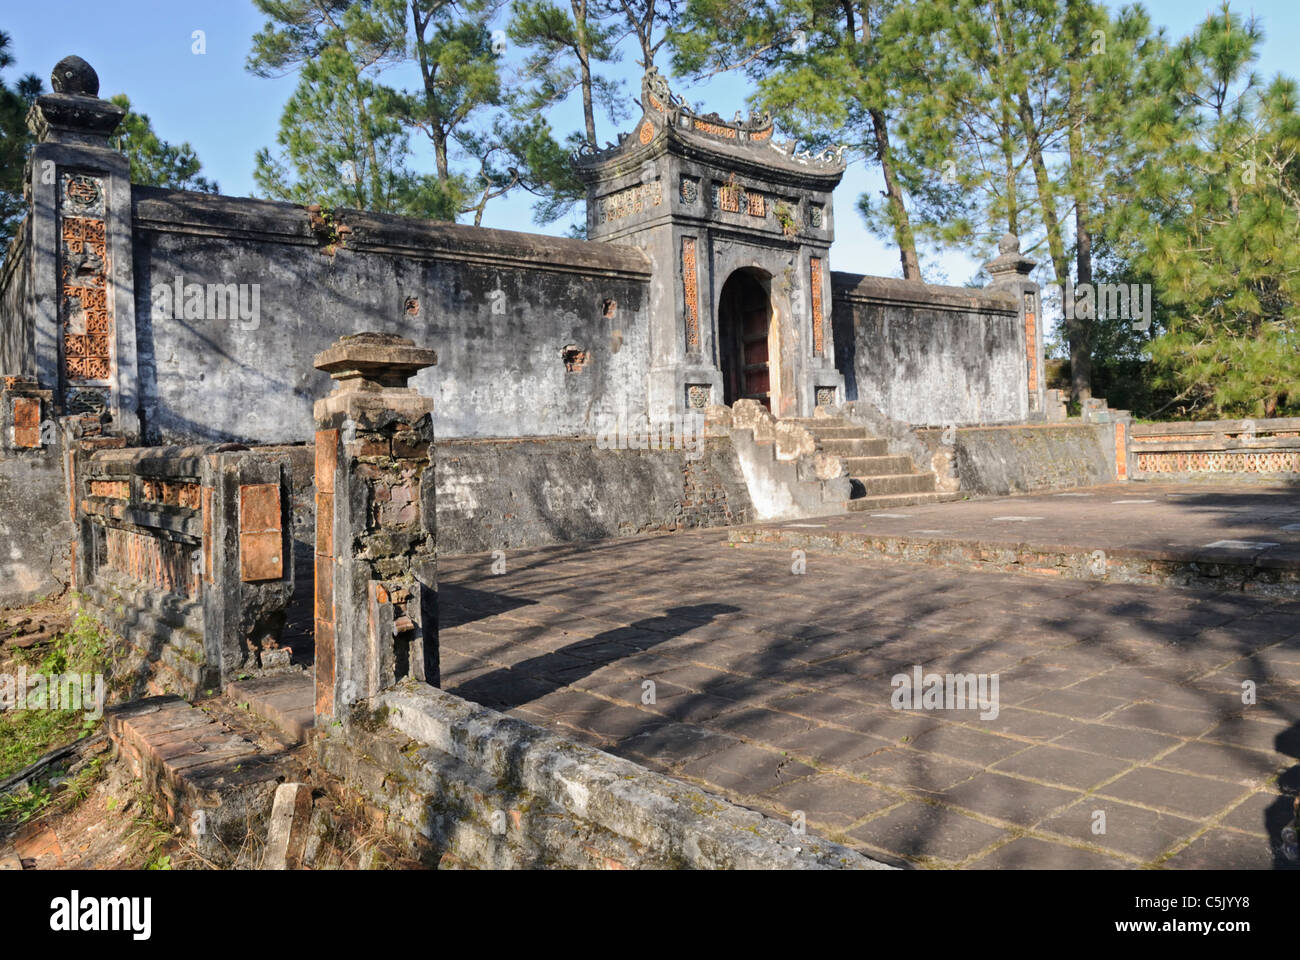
x=464, y=785
x=1202, y=570
x=518, y=493
x=999, y=461
x=1236, y=450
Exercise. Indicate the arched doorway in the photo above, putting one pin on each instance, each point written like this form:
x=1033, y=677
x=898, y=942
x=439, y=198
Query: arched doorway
x=744, y=321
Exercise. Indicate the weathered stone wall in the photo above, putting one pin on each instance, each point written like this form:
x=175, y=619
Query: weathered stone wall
x=462, y=785
x=35, y=523
x=537, y=335
x=930, y=355
x=997, y=461
x=501, y=495
x=17, y=319
x=35, y=527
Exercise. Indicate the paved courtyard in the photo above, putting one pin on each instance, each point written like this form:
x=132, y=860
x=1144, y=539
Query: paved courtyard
x=1121, y=739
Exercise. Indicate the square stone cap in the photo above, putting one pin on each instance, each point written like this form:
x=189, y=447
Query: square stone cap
x=53, y=113
x=383, y=357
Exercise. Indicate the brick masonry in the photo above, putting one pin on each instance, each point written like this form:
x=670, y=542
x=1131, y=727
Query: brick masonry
x=376, y=586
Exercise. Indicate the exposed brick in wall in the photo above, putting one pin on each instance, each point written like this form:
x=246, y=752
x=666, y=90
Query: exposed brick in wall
x=710, y=496
x=184, y=550
x=327, y=451
x=152, y=561
x=377, y=620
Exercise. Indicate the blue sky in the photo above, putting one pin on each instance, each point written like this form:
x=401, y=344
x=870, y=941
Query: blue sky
x=144, y=48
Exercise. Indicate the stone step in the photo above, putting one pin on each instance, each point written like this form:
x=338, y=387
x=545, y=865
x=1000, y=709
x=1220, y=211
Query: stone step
x=877, y=466
x=183, y=665
x=854, y=447
x=190, y=762
x=287, y=702
x=817, y=421
x=189, y=642
x=172, y=673
x=895, y=484
x=867, y=504
x=845, y=432
x=114, y=588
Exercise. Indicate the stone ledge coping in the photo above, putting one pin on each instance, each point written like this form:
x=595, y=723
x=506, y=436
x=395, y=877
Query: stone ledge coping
x=665, y=815
x=1212, y=427
x=183, y=211
x=857, y=288
x=1037, y=425
x=1208, y=444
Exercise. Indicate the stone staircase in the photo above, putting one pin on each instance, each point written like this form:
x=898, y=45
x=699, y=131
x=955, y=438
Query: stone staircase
x=877, y=480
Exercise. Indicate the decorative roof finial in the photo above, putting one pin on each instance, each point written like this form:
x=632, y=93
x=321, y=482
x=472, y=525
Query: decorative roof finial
x=74, y=75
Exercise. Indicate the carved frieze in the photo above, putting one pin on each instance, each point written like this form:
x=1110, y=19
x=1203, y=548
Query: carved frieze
x=86, y=303
x=815, y=278
x=690, y=289
x=627, y=202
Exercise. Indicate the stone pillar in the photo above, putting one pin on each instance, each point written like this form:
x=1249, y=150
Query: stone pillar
x=1010, y=271
x=823, y=384
x=376, y=562
x=69, y=346
x=82, y=323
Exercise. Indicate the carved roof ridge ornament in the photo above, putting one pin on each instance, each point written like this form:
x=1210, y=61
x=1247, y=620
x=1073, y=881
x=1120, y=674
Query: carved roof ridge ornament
x=658, y=96
x=661, y=108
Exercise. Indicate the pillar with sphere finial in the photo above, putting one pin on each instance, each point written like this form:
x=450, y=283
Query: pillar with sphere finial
x=77, y=247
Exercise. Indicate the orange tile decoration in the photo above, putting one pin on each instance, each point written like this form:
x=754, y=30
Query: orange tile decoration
x=27, y=422
x=261, y=539
x=819, y=334
x=690, y=289
x=85, y=306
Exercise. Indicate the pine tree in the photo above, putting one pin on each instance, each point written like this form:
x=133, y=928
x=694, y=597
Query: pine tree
x=565, y=48
x=650, y=21
x=342, y=146
x=15, y=143
x=820, y=68
x=1212, y=215
x=154, y=161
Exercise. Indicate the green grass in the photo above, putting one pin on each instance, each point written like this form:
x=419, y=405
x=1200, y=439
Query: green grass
x=21, y=805
x=27, y=735
x=154, y=835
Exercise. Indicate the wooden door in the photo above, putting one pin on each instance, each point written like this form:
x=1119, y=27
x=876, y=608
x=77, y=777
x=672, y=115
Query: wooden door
x=755, y=382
